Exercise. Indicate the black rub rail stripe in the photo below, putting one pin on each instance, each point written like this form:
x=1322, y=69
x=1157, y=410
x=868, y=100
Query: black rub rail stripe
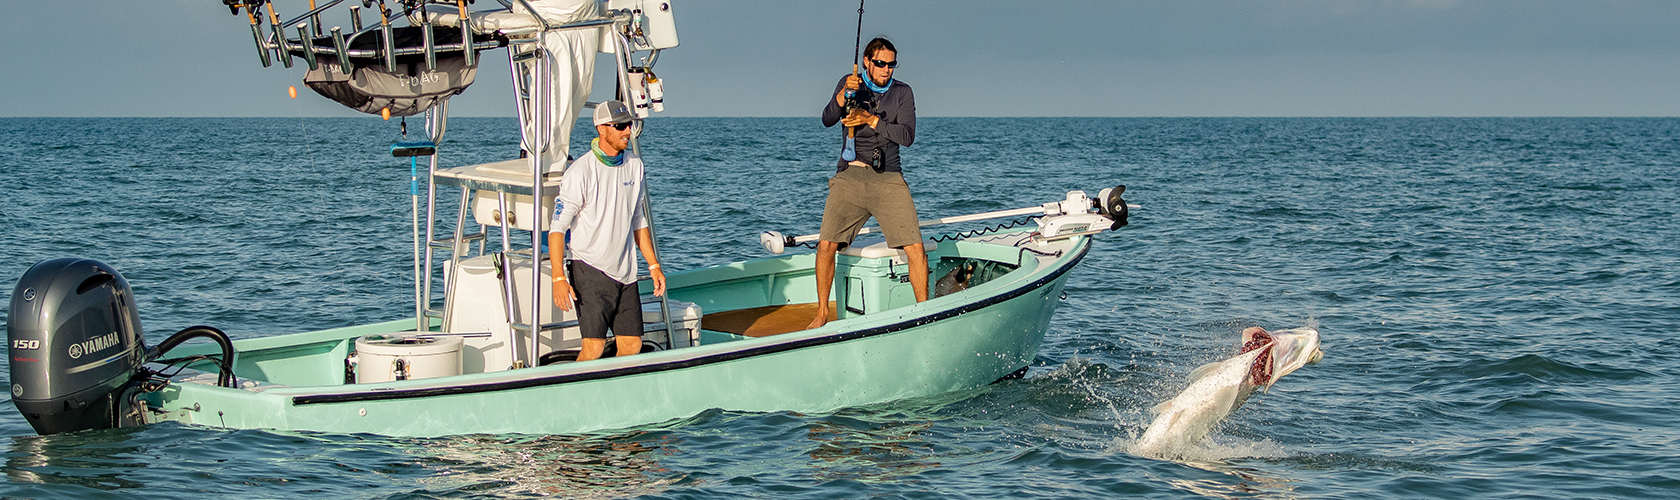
x=689, y=363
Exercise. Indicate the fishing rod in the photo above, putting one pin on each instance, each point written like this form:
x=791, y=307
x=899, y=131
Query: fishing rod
x=849, y=152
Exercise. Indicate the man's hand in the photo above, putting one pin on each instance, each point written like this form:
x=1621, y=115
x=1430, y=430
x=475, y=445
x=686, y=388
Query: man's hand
x=860, y=117
x=852, y=84
x=658, y=281
x=563, y=295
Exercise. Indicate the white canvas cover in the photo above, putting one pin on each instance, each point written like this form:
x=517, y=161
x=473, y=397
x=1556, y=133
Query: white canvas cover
x=571, y=59
x=571, y=69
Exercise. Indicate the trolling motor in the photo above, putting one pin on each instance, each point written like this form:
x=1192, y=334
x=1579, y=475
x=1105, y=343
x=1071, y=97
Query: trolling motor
x=77, y=349
x=1110, y=205
x=1076, y=215
x=1079, y=214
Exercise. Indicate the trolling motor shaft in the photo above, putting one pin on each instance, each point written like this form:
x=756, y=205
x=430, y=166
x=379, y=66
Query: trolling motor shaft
x=1075, y=215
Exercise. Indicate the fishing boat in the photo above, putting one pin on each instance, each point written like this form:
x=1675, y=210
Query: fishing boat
x=485, y=350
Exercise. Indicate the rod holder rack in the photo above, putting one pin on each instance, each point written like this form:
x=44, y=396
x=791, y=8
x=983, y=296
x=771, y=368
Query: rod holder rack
x=305, y=44
x=308, y=55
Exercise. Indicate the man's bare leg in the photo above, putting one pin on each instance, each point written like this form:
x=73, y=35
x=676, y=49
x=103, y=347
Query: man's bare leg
x=825, y=280
x=918, y=263
x=592, y=349
x=627, y=344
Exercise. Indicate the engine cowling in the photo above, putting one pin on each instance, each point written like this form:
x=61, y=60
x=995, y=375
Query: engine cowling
x=75, y=342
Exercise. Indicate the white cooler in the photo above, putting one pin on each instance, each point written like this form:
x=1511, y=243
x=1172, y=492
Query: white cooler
x=386, y=358
x=688, y=322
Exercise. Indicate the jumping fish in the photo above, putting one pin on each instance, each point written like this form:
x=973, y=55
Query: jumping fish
x=1219, y=388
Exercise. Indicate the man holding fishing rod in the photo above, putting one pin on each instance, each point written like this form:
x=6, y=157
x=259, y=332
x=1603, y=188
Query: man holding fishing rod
x=879, y=114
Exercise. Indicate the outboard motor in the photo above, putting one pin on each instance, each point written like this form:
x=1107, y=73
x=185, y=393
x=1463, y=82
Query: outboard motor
x=76, y=345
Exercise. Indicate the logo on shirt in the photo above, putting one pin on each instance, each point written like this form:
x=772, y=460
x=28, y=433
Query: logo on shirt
x=629, y=183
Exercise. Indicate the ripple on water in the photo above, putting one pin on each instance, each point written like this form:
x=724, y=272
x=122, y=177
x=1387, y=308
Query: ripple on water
x=1541, y=367
x=1496, y=296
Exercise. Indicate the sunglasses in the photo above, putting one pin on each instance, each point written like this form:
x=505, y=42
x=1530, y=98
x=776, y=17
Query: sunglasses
x=884, y=64
x=619, y=126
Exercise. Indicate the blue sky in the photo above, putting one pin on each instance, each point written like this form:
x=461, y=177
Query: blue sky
x=965, y=58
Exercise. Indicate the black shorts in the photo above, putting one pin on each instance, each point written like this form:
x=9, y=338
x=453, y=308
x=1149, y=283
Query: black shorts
x=603, y=301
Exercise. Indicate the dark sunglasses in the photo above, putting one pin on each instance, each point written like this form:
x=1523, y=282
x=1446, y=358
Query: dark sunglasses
x=620, y=126
x=884, y=64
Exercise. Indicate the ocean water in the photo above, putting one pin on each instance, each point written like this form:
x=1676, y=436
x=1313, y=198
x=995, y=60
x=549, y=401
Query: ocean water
x=1499, y=301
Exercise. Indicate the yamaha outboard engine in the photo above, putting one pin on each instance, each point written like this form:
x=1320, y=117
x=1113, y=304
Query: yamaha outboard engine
x=76, y=345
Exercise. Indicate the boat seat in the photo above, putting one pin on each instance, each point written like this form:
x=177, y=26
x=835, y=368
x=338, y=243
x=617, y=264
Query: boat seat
x=880, y=249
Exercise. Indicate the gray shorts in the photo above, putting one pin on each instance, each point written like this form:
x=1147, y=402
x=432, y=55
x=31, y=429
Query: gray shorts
x=857, y=193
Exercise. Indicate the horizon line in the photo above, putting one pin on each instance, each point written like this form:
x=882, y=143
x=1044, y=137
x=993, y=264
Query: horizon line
x=919, y=117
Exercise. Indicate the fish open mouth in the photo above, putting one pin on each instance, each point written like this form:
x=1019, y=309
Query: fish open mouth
x=1291, y=350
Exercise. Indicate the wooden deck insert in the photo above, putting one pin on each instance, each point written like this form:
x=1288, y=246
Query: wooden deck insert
x=765, y=321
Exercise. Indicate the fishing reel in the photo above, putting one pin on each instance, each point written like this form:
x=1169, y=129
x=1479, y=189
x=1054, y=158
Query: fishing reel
x=855, y=100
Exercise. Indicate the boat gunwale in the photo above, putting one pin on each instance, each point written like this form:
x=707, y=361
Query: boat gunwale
x=1082, y=248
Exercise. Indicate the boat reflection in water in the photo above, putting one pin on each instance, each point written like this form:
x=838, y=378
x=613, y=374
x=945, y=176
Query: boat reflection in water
x=619, y=465
x=81, y=459
x=870, y=452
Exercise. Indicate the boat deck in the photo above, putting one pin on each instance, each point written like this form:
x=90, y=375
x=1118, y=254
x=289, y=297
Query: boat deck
x=766, y=321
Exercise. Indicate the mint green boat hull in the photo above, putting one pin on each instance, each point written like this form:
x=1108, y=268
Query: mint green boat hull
x=957, y=342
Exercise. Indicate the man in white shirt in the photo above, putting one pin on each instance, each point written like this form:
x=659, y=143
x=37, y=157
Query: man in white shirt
x=600, y=202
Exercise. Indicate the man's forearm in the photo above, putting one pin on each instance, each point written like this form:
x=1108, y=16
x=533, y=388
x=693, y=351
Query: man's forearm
x=644, y=241
x=557, y=255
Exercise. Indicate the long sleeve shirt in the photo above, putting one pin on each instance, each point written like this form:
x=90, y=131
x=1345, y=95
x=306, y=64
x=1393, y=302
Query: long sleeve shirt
x=602, y=206
x=897, y=128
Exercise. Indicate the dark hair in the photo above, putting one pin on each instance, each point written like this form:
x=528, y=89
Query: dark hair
x=876, y=45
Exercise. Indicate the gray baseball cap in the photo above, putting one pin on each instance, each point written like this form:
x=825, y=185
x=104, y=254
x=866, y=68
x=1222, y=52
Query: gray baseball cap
x=612, y=112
